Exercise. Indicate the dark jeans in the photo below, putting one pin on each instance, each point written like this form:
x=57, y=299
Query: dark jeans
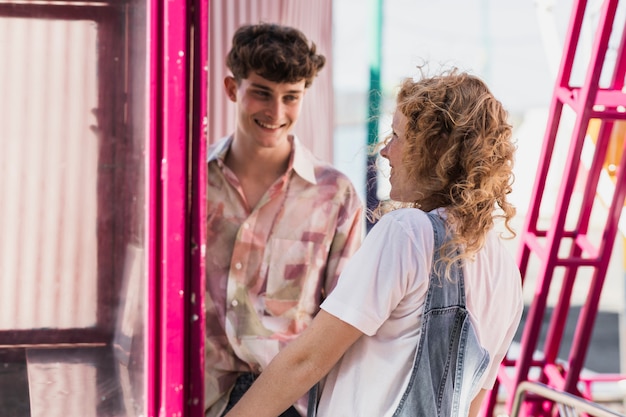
x=244, y=381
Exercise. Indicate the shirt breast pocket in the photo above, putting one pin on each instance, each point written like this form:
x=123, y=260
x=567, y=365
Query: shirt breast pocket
x=294, y=275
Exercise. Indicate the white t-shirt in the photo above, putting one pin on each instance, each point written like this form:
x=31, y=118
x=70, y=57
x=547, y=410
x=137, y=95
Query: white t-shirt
x=382, y=292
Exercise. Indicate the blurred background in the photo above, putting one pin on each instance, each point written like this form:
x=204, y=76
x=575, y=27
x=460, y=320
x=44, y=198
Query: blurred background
x=106, y=108
x=515, y=46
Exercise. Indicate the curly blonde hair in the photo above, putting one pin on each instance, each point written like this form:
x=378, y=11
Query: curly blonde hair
x=460, y=152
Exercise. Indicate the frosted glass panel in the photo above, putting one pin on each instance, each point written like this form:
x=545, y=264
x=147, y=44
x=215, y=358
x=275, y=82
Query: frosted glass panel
x=48, y=174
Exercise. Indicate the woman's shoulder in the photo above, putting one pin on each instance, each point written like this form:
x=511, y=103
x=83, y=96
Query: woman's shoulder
x=409, y=216
x=412, y=221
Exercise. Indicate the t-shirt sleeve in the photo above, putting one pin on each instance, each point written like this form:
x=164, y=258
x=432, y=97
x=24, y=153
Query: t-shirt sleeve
x=507, y=339
x=379, y=274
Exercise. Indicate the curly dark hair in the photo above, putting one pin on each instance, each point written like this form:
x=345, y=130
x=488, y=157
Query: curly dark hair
x=275, y=52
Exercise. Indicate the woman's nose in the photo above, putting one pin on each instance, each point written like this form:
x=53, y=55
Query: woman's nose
x=383, y=152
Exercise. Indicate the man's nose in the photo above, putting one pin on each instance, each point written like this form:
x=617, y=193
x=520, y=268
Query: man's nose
x=275, y=109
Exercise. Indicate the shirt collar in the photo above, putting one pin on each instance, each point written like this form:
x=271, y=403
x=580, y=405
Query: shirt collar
x=303, y=160
x=217, y=151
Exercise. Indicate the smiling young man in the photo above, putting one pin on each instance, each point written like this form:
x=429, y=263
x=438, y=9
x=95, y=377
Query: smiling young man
x=281, y=223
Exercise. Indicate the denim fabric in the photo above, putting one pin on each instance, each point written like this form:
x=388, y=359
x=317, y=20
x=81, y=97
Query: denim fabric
x=314, y=397
x=449, y=361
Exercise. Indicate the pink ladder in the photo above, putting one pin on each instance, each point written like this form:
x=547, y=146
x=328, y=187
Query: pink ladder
x=604, y=107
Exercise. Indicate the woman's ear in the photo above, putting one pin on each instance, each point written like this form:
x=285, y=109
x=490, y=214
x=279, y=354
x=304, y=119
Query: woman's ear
x=230, y=87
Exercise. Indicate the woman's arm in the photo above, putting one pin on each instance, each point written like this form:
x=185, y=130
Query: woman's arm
x=476, y=403
x=297, y=367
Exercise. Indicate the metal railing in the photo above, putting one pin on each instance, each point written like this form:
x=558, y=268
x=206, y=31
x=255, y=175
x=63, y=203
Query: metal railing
x=569, y=405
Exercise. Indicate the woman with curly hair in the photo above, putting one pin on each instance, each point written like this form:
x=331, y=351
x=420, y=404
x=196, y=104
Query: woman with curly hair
x=426, y=309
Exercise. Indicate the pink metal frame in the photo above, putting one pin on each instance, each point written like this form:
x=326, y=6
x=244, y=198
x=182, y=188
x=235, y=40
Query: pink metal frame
x=588, y=102
x=177, y=57
x=178, y=93
x=151, y=354
x=170, y=114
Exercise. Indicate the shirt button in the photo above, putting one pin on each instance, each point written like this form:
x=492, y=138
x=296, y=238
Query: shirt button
x=238, y=265
x=234, y=303
x=246, y=226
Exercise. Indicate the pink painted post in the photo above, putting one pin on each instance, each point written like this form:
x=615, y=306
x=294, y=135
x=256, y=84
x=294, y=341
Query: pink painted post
x=152, y=375
x=174, y=61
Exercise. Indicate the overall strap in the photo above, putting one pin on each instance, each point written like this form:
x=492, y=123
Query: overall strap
x=449, y=360
x=440, y=295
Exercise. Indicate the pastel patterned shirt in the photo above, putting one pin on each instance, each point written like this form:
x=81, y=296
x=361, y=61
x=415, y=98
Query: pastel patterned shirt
x=267, y=270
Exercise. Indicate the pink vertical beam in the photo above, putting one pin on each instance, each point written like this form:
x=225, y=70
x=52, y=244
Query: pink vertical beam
x=198, y=192
x=172, y=116
x=152, y=374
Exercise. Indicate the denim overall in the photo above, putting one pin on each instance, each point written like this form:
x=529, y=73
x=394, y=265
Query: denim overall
x=449, y=361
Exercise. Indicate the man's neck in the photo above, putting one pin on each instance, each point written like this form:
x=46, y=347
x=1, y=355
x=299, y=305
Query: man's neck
x=257, y=169
x=259, y=162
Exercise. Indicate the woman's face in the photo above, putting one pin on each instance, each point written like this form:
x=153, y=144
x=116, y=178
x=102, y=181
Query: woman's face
x=402, y=189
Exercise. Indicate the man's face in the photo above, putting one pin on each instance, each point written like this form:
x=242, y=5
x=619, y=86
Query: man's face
x=266, y=111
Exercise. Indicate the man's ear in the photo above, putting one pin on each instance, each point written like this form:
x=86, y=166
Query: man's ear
x=230, y=86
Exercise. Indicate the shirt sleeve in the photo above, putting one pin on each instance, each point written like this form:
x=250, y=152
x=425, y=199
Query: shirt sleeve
x=492, y=372
x=378, y=276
